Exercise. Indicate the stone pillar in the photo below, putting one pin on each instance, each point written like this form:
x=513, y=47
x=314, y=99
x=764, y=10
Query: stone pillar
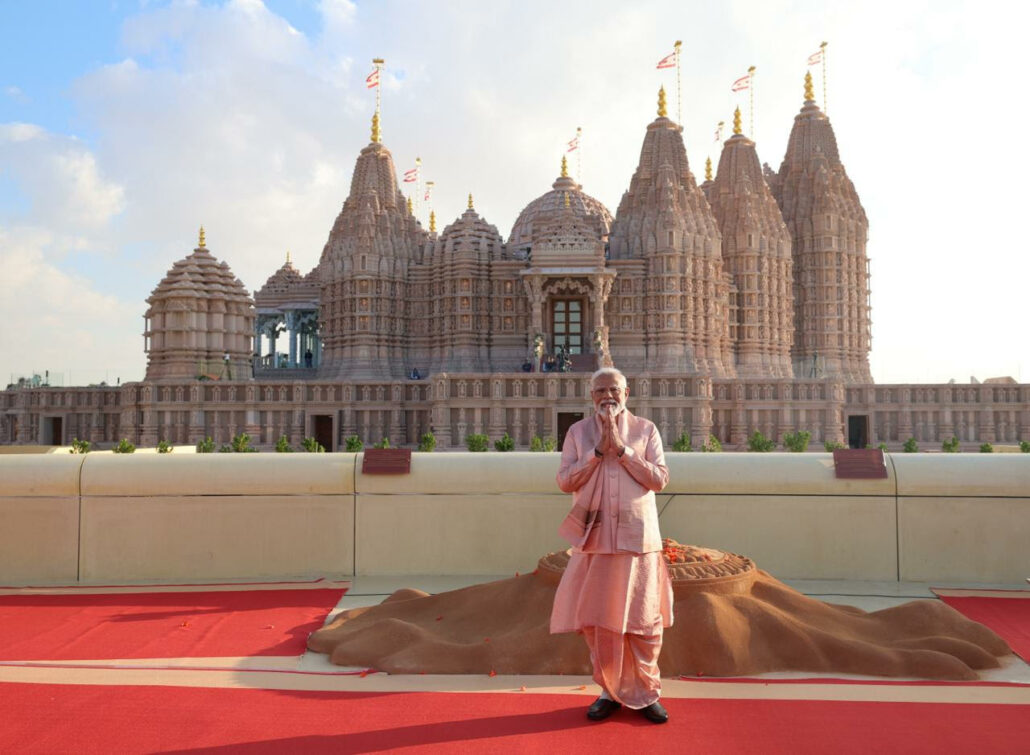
x=291, y=326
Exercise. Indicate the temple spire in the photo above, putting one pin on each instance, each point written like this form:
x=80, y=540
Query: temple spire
x=662, y=113
x=564, y=167
x=737, y=128
x=287, y=256
x=432, y=222
x=471, y=206
x=708, y=169
x=200, y=242
x=411, y=206
x=809, y=88
x=376, y=137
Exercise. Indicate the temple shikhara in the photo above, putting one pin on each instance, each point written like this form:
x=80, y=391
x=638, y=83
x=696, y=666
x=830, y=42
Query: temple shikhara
x=733, y=305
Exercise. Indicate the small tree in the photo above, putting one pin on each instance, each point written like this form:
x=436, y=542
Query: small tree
x=206, y=446
x=164, y=447
x=427, y=443
x=124, y=447
x=758, y=442
x=506, y=443
x=550, y=444
x=950, y=446
x=833, y=445
x=682, y=443
x=282, y=446
x=986, y=448
x=536, y=443
x=910, y=446
x=477, y=442
x=80, y=446
x=712, y=445
x=1024, y=446
x=384, y=443
x=797, y=442
x=240, y=444
x=312, y=446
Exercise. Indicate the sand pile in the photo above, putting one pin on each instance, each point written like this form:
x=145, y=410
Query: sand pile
x=731, y=619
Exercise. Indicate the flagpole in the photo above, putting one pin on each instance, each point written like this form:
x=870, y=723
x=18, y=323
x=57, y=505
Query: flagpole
x=751, y=105
x=825, y=107
x=379, y=63
x=579, y=155
x=418, y=187
x=679, y=92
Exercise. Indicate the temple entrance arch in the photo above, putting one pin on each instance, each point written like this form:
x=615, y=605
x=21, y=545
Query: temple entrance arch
x=565, y=421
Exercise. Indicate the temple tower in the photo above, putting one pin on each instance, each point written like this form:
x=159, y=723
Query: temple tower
x=756, y=249
x=200, y=322
x=665, y=245
x=828, y=227
x=364, y=273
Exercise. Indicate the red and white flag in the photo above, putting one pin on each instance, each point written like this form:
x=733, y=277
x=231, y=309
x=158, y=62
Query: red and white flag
x=411, y=176
x=426, y=197
x=718, y=132
x=669, y=61
x=744, y=82
x=815, y=58
x=573, y=145
x=372, y=80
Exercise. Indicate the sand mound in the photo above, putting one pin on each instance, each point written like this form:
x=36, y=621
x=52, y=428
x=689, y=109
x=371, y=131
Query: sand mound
x=731, y=619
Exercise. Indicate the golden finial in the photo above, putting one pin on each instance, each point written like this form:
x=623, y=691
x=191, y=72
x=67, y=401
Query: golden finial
x=287, y=256
x=200, y=243
x=661, y=103
x=708, y=169
x=567, y=200
x=564, y=167
x=737, y=128
x=432, y=222
x=376, y=136
x=809, y=89
x=471, y=206
x=411, y=207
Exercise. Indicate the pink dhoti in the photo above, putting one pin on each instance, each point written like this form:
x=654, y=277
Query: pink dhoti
x=620, y=603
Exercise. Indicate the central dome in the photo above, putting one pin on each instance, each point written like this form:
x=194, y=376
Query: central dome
x=542, y=211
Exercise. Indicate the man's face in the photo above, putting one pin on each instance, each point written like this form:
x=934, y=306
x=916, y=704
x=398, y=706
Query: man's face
x=608, y=395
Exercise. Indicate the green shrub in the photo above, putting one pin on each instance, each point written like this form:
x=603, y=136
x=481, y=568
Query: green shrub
x=833, y=445
x=477, y=442
x=1024, y=446
x=353, y=444
x=164, y=447
x=910, y=446
x=312, y=446
x=950, y=446
x=536, y=443
x=384, y=443
x=882, y=446
x=506, y=443
x=427, y=443
x=797, y=442
x=758, y=442
x=124, y=447
x=225, y=448
x=80, y=446
x=206, y=446
x=712, y=445
x=240, y=444
x=550, y=444
x=986, y=448
x=283, y=446
x=682, y=443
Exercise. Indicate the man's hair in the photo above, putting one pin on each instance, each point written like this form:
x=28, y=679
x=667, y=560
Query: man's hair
x=610, y=371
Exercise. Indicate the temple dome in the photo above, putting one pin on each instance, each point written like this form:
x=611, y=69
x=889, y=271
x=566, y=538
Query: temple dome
x=287, y=285
x=543, y=210
x=471, y=233
x=198, y=313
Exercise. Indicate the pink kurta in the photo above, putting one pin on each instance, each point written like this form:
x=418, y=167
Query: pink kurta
x=616, y=578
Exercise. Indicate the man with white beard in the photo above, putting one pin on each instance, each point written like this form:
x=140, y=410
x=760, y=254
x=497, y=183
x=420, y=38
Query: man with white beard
x=616, y=590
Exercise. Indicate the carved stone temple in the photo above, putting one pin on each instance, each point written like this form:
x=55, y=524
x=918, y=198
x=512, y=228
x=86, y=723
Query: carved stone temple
x=736, y=305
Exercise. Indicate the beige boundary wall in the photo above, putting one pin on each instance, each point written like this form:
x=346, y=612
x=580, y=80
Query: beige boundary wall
x=105, y=518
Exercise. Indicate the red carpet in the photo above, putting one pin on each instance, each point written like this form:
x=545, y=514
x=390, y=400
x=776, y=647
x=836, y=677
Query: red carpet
x=42, y=718
x=161, y=624
x=1009, y=617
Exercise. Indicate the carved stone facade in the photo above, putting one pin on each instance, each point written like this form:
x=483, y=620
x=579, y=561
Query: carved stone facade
x=734, y=306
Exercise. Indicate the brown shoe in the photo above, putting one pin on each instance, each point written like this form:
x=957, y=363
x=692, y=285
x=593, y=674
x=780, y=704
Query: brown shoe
x=655, y=713
x=602, y=708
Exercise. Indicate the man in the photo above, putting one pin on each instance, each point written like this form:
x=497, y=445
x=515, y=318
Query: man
x=616, y=589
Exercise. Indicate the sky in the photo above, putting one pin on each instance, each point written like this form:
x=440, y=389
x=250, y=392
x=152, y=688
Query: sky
x=125, y=125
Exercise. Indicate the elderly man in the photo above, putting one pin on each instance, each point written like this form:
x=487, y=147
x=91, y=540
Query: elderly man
x=616, y=589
